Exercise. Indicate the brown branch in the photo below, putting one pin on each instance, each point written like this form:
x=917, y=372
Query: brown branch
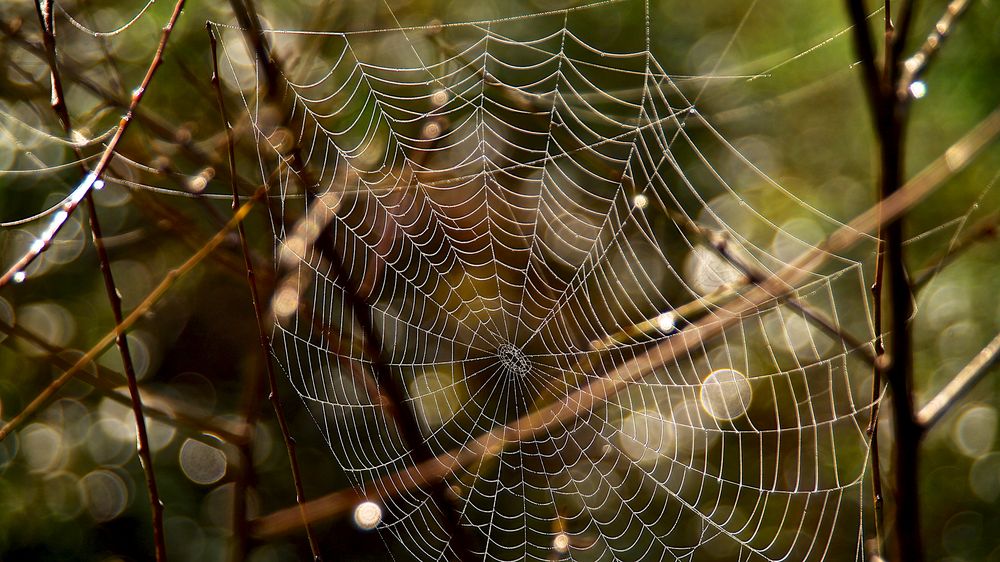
x=877, y=368
x=264, y=339
x=691, y=337
x=252, y=390
x=914, y=66
x=43, y=397
x=108, y=382
x=958, y=387
x=93, y=180
x=44, y=11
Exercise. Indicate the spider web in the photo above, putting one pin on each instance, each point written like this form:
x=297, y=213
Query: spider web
x=525, y=208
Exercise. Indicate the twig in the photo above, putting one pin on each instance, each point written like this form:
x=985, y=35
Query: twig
x=43, y=8
x=813, y=316
x=914, y=66
x=93, y=179
x=108, y=382
x=604, y=387
x=43, y=397
x=246, y=475
x=254, y=386
x=264, y=339
x=985, y=229
x=958, y=387
x=877, y=369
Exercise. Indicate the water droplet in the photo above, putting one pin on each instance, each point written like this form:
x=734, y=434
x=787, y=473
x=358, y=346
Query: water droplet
x=640, y=201
x=560, y=543
x=918, y=89
x=439, y=98
x=665, y=322
x=20, y=276
x=367, y=515
x=98, y=184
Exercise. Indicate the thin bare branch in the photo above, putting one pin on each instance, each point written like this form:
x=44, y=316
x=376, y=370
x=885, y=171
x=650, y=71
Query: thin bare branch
x=914, y=66
x=264, y=339
x=154, y=296
x=958, y=387
x=43, y=9
x=93, y=180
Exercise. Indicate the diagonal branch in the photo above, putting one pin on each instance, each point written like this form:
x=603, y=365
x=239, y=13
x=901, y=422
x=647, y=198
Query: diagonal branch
x=915, y=66
x=43, y=9
x=152, y=298
x=93, y=180
x=958, y=387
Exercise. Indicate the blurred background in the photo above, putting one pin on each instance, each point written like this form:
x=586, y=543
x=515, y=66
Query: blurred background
x=71, y=487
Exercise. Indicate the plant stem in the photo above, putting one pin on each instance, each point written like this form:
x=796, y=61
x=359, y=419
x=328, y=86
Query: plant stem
x=264, y=339
x=43, y=9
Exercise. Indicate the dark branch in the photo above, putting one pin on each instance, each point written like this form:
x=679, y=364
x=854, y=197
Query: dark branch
x=264, y=339
x=44, y=11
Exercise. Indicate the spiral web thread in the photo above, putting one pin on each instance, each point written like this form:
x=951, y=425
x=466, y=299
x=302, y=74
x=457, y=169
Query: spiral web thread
x=524, y=209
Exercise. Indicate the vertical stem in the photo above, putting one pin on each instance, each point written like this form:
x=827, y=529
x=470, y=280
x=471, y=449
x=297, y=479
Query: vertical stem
x=892, y=132
x=876, y=290
x=246, y=477
x=43, y=9
x=890, y=113
x=265, y=340
x=145, y=454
